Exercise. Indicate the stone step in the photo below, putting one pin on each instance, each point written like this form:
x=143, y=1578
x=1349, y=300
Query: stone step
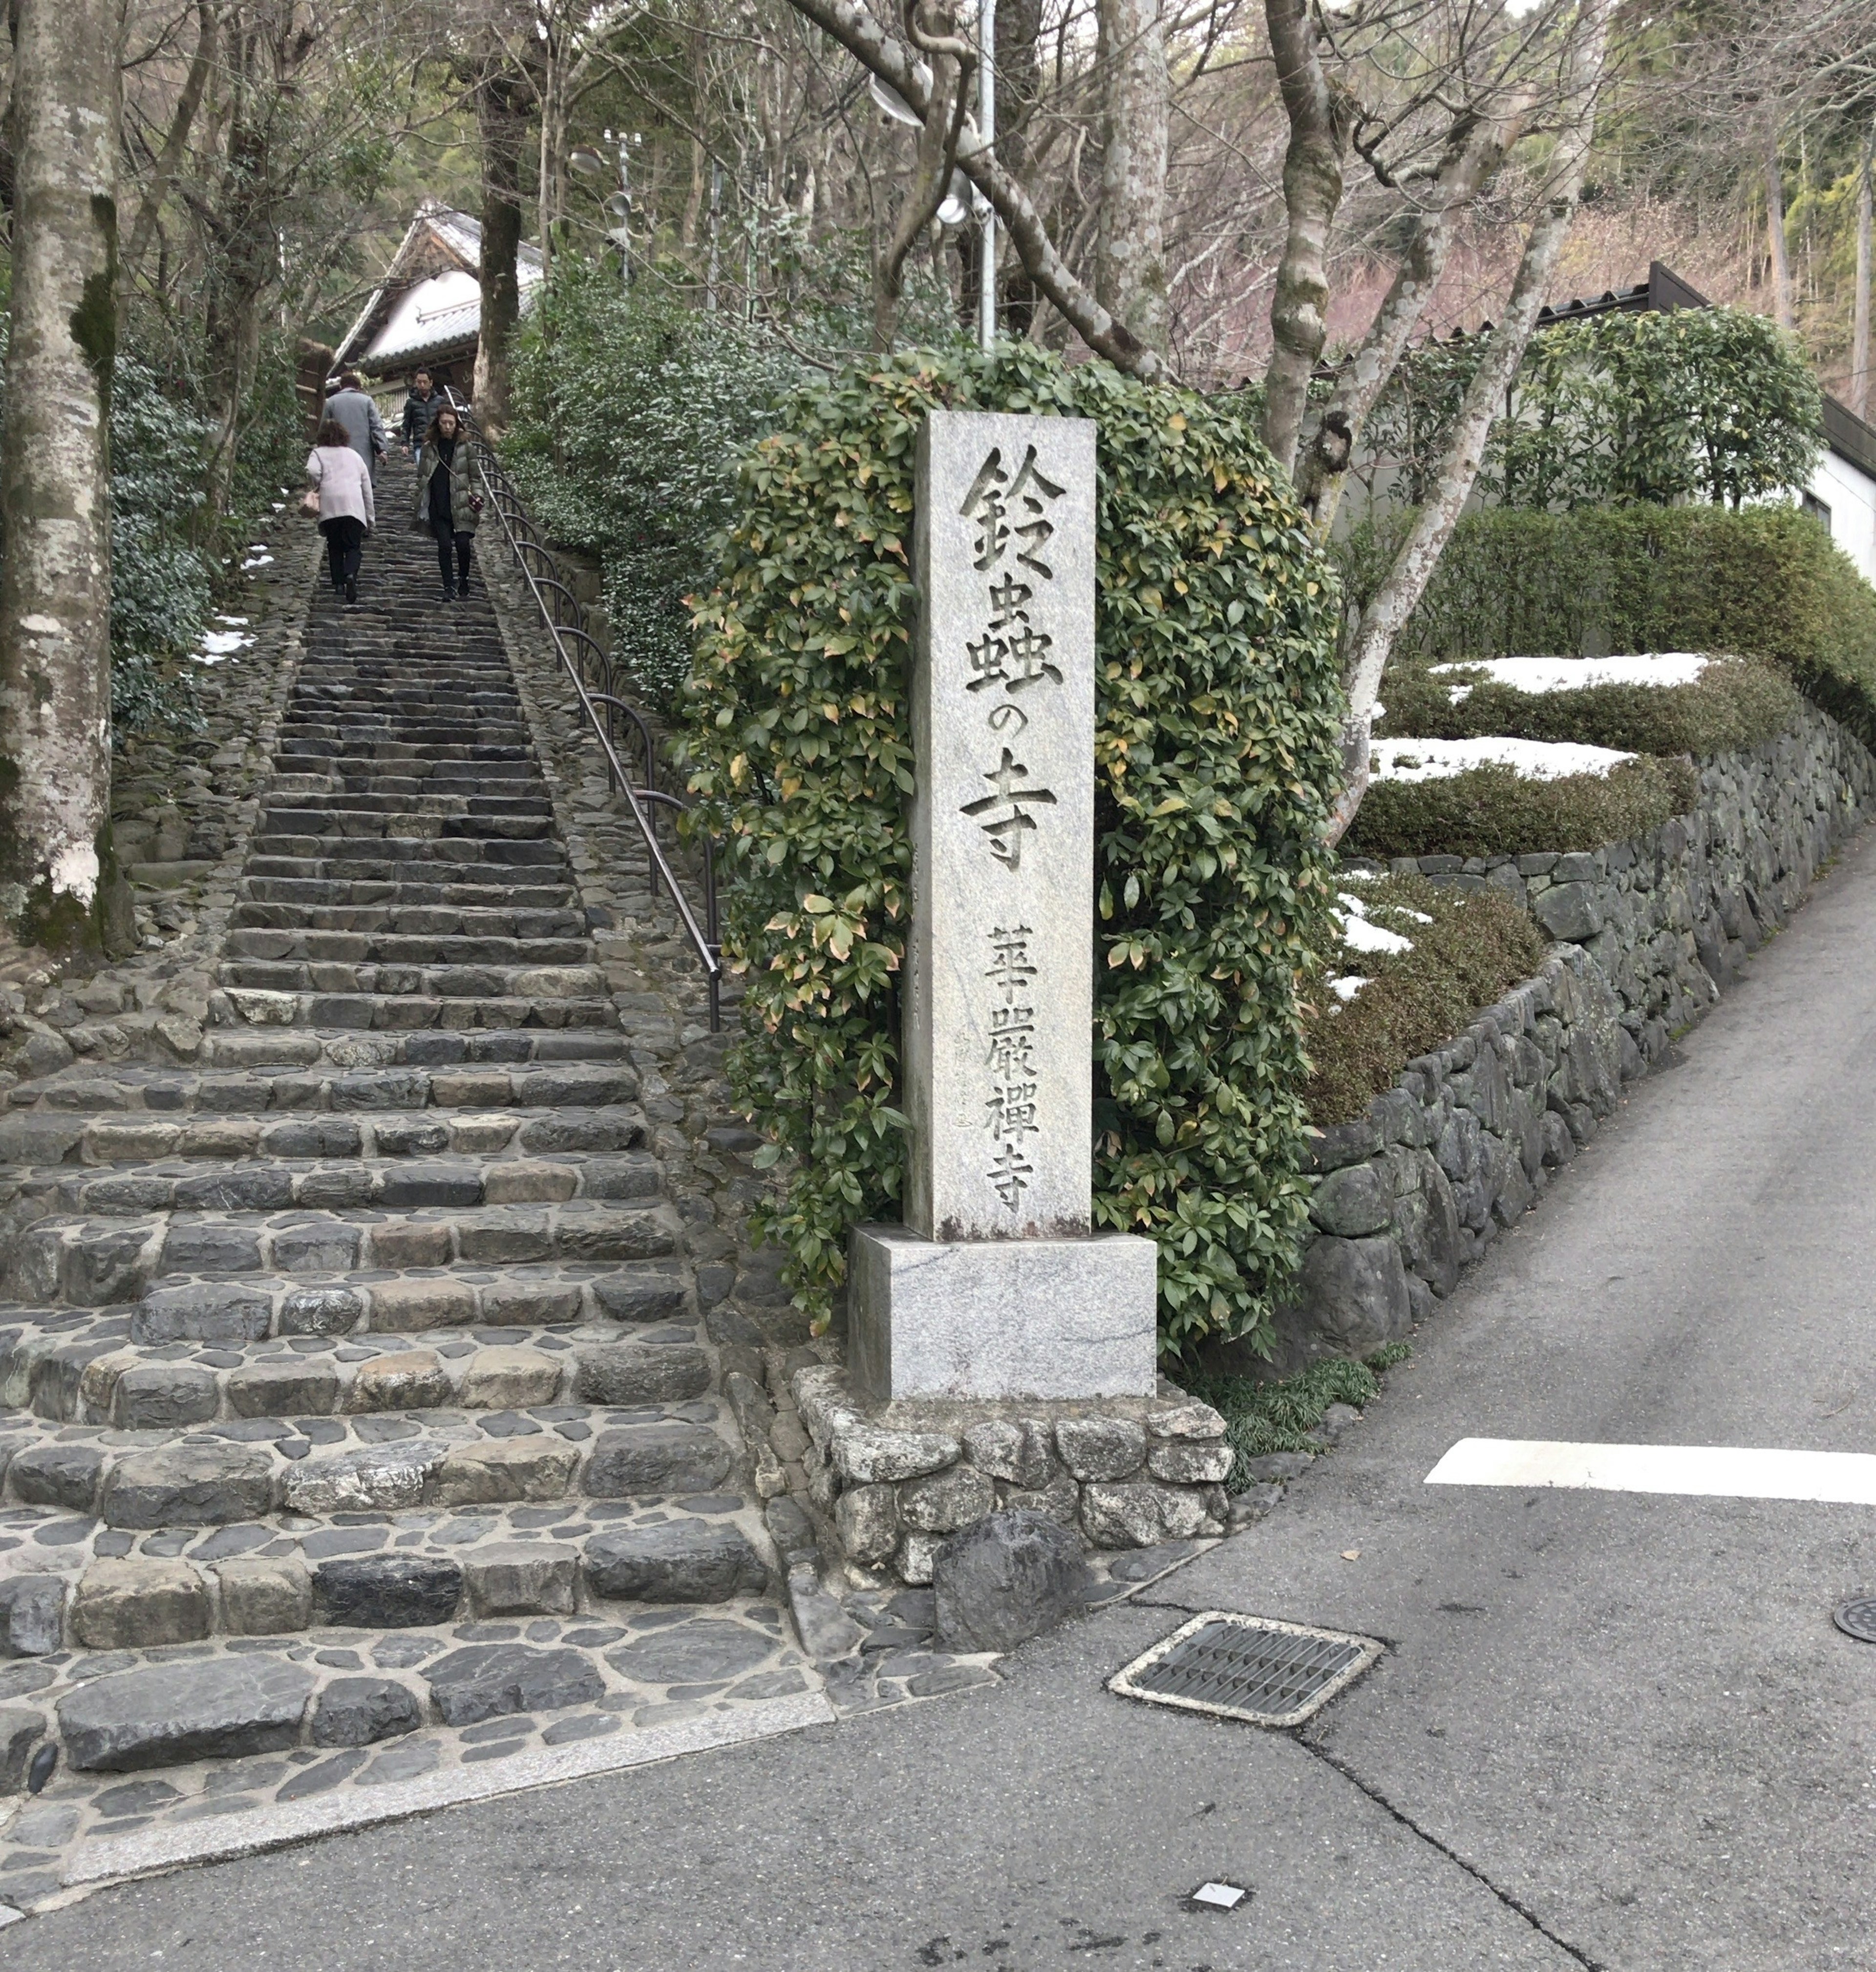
x=91, y=1371
x=577, y=979
x=439, y=857
x=556, y=1077
x=315, y=1467
x=222, y=1315
x=260, y=1046
x=472, y=891
x=436, y=922
x=369, y=1012
x=33, y=1140
x=347, y=810
x=169, y=1260
x=425, y=1171
x=307, y=944
x=405, y=1572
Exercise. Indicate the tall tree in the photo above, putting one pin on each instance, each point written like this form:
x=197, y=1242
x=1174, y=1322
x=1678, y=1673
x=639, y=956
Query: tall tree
x=504, y=98
x=1130, y=237
x=1320, y=118
x=1775, y=236
x=1483, y=403
x=57, y=884
x=1859, y=308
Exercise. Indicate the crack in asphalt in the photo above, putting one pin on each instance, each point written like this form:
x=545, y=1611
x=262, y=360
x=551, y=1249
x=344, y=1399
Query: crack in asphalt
x=1337, y=1764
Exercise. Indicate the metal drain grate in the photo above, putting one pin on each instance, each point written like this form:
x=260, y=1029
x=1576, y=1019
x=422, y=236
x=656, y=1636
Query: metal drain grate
x=1249, y=1667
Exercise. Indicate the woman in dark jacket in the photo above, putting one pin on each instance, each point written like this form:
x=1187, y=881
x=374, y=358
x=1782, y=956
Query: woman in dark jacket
x=446, y=506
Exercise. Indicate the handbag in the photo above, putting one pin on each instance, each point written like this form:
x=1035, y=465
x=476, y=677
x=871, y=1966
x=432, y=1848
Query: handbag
x=309, y=503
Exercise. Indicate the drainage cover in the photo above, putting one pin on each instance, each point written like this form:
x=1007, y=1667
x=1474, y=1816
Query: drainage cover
x=1857, y=1619
x=1249, y=1667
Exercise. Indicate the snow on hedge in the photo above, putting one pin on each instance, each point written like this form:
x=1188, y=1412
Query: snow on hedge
x=1543, y=674
x=1534, y=759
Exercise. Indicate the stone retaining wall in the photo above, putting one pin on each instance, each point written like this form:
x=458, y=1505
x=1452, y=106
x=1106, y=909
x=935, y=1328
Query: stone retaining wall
x=1651, y=931
x=183, y=807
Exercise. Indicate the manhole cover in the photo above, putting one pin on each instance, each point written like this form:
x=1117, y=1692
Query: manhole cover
x=1857, y=1619
x=1250, y=1667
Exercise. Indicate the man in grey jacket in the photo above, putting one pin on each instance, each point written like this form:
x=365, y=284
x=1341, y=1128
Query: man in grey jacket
x=364, y=430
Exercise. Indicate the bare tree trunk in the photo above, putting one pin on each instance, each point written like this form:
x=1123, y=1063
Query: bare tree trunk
x=500, y=120
x=1458, y=471
x=1312, y=193
x=1019, y=82
x=1859, y=327
x=1130, y=252
x=58, y=885
x=551, y=192
x=144, y=227
x=932, y=170
x=1775, y=236
x=1471, y=162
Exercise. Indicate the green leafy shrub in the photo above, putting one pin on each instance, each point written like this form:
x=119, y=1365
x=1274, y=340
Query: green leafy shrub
x=1712, y=404
x=1765, y=582
x=1216, y=718
x=1493, y=811
x=1732, y=704
x=630, y=416
x=1469, y=948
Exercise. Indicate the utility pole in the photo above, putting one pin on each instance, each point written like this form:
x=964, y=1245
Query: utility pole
x=987, y=223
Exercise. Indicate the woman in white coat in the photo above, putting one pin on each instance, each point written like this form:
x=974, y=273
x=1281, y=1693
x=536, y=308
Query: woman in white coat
x=346, y=512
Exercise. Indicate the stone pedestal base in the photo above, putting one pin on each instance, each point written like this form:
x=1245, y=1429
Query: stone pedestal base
x=898, y=1481
x=1000, y=1318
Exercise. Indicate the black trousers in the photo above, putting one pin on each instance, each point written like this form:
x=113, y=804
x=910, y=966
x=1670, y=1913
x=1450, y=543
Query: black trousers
x=345, y=535
x=445, y=536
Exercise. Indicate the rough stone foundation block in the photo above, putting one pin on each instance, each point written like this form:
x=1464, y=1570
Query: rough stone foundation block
x=265, y=1597
x=1001, y=1318
x=1006, y=1579
x=216, y=1708
x=521, y=1579
x=128, y=1605
x=32, y=1615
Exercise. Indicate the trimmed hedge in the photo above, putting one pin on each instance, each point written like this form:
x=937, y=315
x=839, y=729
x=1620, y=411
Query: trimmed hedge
x=1732, y=705
x=1764, y=583
x=1496, y=811
x=1217, y=716
x=1479, y=944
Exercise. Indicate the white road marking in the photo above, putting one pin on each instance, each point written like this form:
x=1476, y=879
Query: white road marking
x=1710, y=1471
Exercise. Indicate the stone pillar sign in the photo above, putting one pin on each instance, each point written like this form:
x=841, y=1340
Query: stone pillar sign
x=995, y=1287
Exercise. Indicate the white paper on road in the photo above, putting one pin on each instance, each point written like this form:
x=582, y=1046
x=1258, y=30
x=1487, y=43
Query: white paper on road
x=1712, y=1471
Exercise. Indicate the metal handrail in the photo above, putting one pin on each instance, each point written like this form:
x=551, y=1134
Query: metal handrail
x=506, y=504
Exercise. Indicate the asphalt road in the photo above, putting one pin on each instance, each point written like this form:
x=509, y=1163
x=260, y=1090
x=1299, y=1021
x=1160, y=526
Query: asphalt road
x=1611, y=1730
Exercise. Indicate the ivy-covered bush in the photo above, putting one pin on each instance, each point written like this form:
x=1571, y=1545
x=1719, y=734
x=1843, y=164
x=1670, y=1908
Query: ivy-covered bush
x=1734, y=702
x=1494, y=811
x=1216, y=722
x=1767, y=582
x=630, y=414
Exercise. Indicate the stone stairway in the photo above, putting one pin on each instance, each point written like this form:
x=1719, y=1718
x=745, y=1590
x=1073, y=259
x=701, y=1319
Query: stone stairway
x=379, y=1319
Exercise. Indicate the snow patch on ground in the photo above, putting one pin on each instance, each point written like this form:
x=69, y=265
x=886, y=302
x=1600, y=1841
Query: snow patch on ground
x=1535, y=759
x=1543, y=674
